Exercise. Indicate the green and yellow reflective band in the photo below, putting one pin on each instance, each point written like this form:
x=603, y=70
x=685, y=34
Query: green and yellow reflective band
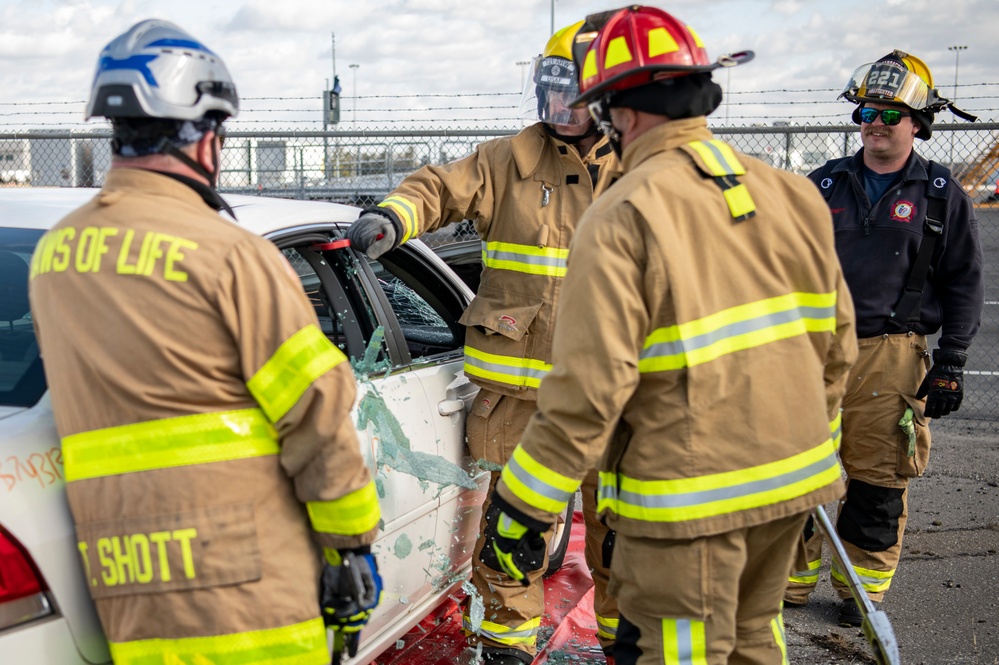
x=525, y=633
x=684, y=642
x=810, y=576
x=299, y=644
x=351, y=515
x=687, y=499
x=607, y=627
x=511, y=370
x=873, y=581
x=836, y=429
x=537, y=485
x=507, y=564
x=284, y=378
x=169, y=442
x=530, y=259
x=777, y=626
x=719, y=157
x=737, y=329
x=407, y=212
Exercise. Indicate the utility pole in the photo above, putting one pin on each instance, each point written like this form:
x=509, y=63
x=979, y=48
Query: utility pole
x=553, y=18
x=353, y=68
x=957, y=48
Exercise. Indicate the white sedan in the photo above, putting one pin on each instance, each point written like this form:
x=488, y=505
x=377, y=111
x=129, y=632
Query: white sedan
x=396, y=318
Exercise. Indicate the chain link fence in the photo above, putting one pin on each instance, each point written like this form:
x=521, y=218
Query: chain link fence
x=361, y=167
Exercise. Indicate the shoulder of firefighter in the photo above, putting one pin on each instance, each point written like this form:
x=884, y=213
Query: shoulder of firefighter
x=701, y=355
x=199, y=406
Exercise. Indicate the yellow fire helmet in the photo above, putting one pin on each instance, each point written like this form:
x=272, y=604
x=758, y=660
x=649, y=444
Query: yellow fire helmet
x=898, y=78
x=553, y=82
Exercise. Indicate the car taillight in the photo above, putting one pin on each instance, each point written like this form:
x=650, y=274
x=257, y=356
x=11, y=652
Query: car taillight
x=22, y=587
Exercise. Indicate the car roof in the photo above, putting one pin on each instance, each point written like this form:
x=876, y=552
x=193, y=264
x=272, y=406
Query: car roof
x=41, y=207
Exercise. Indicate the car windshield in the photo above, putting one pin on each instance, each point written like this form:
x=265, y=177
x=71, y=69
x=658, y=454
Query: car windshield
x=22, y=381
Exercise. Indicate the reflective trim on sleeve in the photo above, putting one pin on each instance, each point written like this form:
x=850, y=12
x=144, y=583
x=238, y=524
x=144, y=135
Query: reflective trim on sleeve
x=810, y=576
x=526, y=633
x=607, y=627
x=408, y=212
x=530, y=259
x=299, y=644
x=169, y=442
x=351, y=515
x=537, y=485
x=737, y=329
x=298, y=362
x=686, y=499
x=836, y=429
x=874, y=581
x=684, y=642
x=511, y=370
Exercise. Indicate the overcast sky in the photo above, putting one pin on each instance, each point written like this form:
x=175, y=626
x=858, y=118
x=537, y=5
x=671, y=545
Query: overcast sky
x=282, y=48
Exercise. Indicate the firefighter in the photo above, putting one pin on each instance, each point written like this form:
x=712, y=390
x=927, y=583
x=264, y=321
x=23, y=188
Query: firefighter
x=524, y=194
x=210, y=461
x=700, y=355
x=908, y=241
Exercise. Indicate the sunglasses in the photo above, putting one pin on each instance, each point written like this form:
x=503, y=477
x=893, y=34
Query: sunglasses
x=888, y=116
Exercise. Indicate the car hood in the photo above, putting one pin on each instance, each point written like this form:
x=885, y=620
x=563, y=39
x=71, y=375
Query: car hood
x=7, y=411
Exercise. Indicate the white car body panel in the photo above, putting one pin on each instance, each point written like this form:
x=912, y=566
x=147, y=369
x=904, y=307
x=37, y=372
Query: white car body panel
x=424, y=549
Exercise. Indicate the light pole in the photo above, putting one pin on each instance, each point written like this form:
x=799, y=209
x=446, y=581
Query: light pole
x=353, y=68
x=956, y=48
x=553, y=18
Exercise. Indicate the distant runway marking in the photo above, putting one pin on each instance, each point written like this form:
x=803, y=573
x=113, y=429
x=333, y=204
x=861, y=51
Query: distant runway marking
x=982, y=373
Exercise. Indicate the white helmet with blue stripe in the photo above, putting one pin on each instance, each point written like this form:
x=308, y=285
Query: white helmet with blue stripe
x=156, y=70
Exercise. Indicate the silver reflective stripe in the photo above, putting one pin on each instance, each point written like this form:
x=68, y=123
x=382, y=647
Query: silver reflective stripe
x=688, y=499
x=722, y=159
x=535, y=484
x=697, y=342
x=505, y=369
x=685, y=642
x=499, y=635
x=518, y=257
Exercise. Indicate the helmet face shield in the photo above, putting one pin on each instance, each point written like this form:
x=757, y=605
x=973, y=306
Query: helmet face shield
x=546, y=95
x=888, y=81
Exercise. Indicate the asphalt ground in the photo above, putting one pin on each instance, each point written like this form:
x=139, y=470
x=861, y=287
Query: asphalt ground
x=944, y=599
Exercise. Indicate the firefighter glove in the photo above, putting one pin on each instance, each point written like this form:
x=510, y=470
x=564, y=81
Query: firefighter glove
x=943, y=386
x=350, y=590
x=513, y=541
x=374, y=233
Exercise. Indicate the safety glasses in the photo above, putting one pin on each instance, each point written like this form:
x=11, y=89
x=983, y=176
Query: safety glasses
x=888, y=116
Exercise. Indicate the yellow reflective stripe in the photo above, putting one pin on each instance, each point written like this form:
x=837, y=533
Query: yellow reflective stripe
x=607, y=627
x=719, y=157
x=873, y=581
x=688, y=499
x=737, y=329
x=512, y=370
x=810, y=576
x=617, y=53
x=298, y=362
x=407, y=212
x=739, y=201
x=525, y=633
x=535, y=484
x=530, y=259
x=777, y=626
x=661, y=41
x=350, y=515
x=169, y=442
x=836, y=429
x=697, y=38
x=684, y=642
x=590, y=65
x=299, y=644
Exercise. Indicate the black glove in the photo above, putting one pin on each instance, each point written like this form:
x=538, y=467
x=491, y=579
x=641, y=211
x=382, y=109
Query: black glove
x=349, y=591
x=513, y=541
x=373, y=233
x=943, y=386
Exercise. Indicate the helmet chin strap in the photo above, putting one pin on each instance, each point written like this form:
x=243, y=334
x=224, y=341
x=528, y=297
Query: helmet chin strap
x=168, y=147
x=606, y=126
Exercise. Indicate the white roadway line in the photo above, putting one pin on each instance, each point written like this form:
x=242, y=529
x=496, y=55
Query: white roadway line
x=986, y=373
x=992, y=302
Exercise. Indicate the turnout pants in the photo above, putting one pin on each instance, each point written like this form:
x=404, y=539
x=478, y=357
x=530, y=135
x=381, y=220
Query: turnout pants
x=879, y=457
x=512, y=611
x=714, y=600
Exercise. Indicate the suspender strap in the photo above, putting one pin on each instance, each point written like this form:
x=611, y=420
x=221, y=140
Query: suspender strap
x=907, y=310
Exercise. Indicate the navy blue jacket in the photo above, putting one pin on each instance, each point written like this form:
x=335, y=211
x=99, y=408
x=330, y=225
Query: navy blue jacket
x=877, y=245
